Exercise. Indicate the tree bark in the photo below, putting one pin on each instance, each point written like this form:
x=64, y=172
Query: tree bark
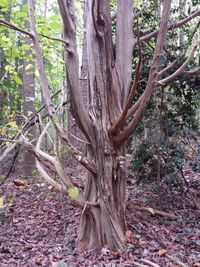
x=109, y=75
x=29, y=98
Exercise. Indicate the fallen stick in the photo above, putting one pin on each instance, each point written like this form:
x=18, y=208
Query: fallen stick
x=175, y=260
x=150, y=263
x=156, y=212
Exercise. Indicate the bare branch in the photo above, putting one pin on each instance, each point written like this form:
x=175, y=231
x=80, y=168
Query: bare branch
x=168, y=67
x=40, y=63
x=14, y=27
x=191, y=72
x=172, y=26
x=181, y=69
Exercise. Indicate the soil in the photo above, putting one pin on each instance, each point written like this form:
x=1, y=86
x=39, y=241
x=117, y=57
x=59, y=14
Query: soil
x=38, y=227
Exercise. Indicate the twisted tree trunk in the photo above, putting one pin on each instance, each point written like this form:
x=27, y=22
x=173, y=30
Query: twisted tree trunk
x=103, y=122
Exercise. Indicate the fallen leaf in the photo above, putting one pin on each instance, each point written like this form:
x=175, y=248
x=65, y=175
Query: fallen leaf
x=142, y=241
x=151, y=211
x=129, y=236
x=105, y=251
x=162, y=252
x=20, y=182
x=1, y=202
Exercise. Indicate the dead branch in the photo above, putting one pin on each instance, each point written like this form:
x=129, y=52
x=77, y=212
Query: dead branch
x=156, y=212
x=167, y=68
x=45, y=88
x=150, y=263
x=191, y=72
x=180, y=70
x=55, y=39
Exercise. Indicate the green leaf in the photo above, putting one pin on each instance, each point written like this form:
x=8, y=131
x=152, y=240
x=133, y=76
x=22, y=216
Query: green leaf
x=4, y=3
x=73, y=192
x=17, y=79
x=1, y=202
x=25, y=8
x=2, y=177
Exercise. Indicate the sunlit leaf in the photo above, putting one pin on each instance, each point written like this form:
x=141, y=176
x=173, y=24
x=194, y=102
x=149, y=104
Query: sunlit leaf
x=73, y=192
x=4, y=3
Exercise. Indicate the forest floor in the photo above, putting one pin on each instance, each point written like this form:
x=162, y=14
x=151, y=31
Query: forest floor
x=38, y=227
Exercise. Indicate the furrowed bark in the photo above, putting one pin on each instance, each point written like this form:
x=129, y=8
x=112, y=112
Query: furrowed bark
x=103, y=226
x=69, y=35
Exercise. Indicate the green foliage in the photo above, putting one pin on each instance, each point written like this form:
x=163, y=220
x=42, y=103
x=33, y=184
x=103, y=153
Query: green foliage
x=73, y=192
x=171, y=158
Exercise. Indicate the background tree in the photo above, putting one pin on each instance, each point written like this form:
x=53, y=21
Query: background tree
x=28, y=75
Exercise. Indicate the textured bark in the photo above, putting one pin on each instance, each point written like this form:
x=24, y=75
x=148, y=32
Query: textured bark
x=109, y=98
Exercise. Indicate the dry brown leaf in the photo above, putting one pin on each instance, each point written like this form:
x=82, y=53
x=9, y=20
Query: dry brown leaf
x=129, y=236
x=20, y=182
x=151, y=211
x=162, y=252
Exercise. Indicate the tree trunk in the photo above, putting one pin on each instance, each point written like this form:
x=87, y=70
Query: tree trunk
x=105, y=225
x=29, y=98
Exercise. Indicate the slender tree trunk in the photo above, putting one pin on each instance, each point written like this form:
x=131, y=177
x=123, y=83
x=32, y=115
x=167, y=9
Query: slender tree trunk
x=29, y=98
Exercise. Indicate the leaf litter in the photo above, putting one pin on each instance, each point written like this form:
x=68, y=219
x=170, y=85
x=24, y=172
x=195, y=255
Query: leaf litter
x=38, y=227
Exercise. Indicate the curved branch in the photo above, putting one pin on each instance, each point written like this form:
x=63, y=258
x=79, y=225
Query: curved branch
x=191, y=72
x=14, y=27
x=181, y=69
x=172, y=26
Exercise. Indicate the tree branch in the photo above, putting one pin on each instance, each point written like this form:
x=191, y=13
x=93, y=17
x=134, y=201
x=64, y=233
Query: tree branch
x=172, y=26
x=45, y=90
x=12, y=26
x=69, y=35
x=191, y=72
x=171, y=65
x=181, y=69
